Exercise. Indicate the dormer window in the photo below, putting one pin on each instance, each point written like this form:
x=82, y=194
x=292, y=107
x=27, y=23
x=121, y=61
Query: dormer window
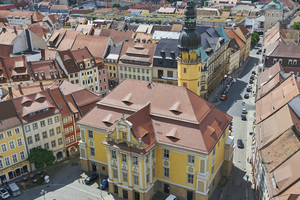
x=61, y=72
x=81, y=66
x=274, y=60
x=36, y=74
x=42, y=73
x=56, y=72
x=51, y=72
x=294, y=62
x=290, y=61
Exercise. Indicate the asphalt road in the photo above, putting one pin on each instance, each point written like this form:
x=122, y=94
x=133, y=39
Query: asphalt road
x=236, y=186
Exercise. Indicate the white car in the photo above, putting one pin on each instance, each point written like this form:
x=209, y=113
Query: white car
x=4, y=194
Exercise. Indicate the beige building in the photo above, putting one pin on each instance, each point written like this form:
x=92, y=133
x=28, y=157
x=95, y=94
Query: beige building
x=111, y=61
x=274, y=13
x=136, y=61
x=234, y=60
x=245, y=36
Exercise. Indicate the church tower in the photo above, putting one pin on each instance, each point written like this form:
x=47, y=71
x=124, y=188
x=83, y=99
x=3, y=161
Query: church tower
x=274, y=13
x=189, y=53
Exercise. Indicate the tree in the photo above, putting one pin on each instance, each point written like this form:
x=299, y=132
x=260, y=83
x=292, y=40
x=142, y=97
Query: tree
x=255, y=38
x=116, y=5
x=131, y=20
x=93, y=18
x=136, y=20
x=41, y=157
x=159, y=22
x=296, y=26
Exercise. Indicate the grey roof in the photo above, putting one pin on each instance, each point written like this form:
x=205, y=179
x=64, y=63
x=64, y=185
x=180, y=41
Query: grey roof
x=295, y=105
x=166, y=45
x=114, y=49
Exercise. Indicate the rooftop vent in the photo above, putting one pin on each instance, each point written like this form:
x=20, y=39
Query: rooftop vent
x=176, y=108
x=127, y=99
x=173, y=134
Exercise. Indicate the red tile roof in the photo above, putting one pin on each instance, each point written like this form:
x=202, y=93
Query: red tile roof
x=46, y=70
x=8, y=116
x=169, y=109
x=231, y=34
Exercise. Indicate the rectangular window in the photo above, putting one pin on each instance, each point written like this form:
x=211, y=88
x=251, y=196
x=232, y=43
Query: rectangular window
x=134, y=160
x=124, y=159
x=60, y=141
x=37, y=137
x=190, y=179
x=58, y=131
x=113, y=155
x=212, y=169
x=53, y=143
x=166, y=154
x=147, y=178
x=147, y=158
x=19, y=142
x=1, y=164
x=56, y=118
x=90, y=133
x=92, y=151
x=124, y=136
x=22, y=155
x=153, y=172
x=169, y=73
x=184, y=70
x=51, y=132
x=1, y=136
x=34, y=126
x=166, y=172
x=43, y=123
x=65, y=120
x=14, y=158
x=135, y=180
x=191, y=159
x=66, y=131
x=17, y=130
x=67, y=140
x=49, y=121
x=3, y=148
x=27, y=128
x=7, y=161
x=71, y=129
x=125, y=177
x=44, y=134
x=29, y=140
x=115, y=173
x=46, y=145
x=153, y=154
x=11, y=144
x=72, y=138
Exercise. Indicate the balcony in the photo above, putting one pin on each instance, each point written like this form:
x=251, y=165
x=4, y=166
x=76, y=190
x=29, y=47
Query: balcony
x=189, y=62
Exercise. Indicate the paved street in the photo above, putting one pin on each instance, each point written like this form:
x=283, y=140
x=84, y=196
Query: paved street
x=236, y=186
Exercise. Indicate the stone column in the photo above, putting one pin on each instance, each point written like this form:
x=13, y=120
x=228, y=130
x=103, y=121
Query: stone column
x=129, y=170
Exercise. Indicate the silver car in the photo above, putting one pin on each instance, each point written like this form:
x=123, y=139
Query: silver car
x=4, y=194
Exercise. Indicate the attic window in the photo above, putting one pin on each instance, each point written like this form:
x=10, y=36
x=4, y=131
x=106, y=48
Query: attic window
x=108, y=119
x=42, y=73
x=35, y=74
x=56, y=72
x=176, y=108
x=211, y=130
x=51, y=72
x=173, y=134
x=25, y=100
x=127, y=99
x=81, y=66
x=39, y=96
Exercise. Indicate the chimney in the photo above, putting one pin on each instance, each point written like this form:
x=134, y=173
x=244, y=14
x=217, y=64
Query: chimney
x=41, y=85
x=15, y=30
x=20, y=89
x=10, y=92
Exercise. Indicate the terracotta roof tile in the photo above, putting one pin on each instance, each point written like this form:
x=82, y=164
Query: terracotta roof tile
x=154, y=110
x=8, y=115
x=46, y=70
x=232, y=34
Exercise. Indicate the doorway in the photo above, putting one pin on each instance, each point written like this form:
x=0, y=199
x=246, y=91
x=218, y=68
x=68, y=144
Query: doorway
x=115, y=189
x=166, y=188
x=94, y=167
x=136, y=196
x=125, y=194
x=190, y=195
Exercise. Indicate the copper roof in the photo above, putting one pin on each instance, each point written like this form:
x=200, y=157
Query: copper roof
x=155, y=104
x=277, y=98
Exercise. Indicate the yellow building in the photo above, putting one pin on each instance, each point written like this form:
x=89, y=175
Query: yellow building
x=189, y=55
x=157, y=137
x=13, y=153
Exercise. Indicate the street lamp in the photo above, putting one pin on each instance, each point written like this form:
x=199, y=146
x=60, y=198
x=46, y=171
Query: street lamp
x=43, y=192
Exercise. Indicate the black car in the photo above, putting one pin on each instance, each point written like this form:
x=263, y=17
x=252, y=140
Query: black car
x=252, y=77
x=249, y=89
x=253, y=72
x=246, y=96
x=258, y=52
x=91, y=179
x=243, y=117
x=251, y=81
x=240, y=143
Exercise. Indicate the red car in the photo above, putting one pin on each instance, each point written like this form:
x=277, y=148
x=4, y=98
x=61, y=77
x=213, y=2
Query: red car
x=224, y=97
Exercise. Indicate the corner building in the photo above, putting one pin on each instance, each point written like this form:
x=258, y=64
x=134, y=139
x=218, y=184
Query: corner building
x=156, y=137
x=189, y=54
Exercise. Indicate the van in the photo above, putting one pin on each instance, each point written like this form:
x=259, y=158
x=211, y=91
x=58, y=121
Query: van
x=171, y=197
x=14, y=189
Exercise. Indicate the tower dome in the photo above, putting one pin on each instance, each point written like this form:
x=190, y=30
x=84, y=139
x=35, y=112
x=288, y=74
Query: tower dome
x=189, y=38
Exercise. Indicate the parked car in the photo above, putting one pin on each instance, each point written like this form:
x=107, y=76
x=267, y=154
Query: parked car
x=4, y=193
x=244, y=111
x=246, y=96
x=258, y=52
x=254, y=72
x=104, y=183
x=243, y=117
x=91, y=179
x=251, y=81
x=226, y=91
x=224, y=97
x=240, y=143
x=249, y=89
x=252, y=77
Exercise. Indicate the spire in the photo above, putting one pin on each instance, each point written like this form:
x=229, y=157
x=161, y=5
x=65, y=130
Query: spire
x=190, y=16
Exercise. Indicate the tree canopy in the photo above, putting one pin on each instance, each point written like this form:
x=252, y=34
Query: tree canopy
x=255, y=38
x=41, y=157
x=296, y=26
x=116, y=5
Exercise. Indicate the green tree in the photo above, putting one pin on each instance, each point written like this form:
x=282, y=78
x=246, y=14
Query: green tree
x=159, y=22
x=131, y=20
x=296, y=26
x=148, y=22
x=136, y=20
x=93, y=18
x=255, y=38
x=116, y=5
x=41, y=157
